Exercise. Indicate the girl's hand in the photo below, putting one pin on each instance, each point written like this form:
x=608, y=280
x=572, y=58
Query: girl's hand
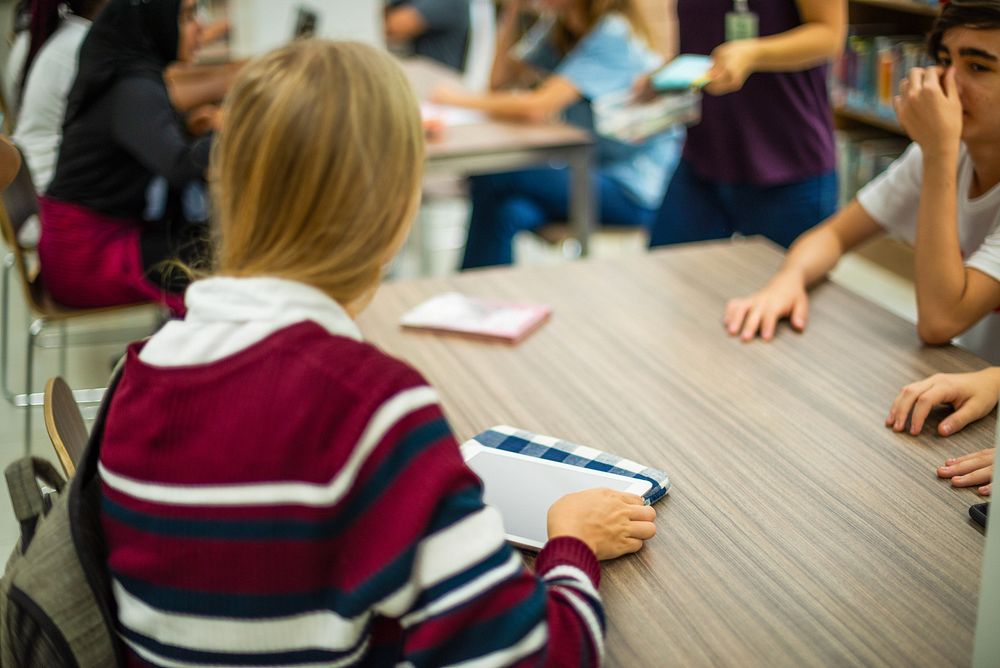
x=929, y=109
x=732, y=64
x=971, y=470
x=610, y=523
x=972, y=395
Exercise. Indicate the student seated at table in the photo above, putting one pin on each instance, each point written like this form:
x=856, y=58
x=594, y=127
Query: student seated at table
x=116, y=213
x=278, y=491
x=973, y=396
x=942, y=196
x=594, y=48
x=437, y=29
x=51, y=69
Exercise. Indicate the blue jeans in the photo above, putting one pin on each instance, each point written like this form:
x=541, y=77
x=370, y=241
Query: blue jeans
x=698, y=210
x=505, y=204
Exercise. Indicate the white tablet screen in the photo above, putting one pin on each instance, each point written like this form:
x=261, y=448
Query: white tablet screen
x=522, y=488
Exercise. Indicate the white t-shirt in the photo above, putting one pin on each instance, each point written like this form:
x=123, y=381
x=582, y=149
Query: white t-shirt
x=43, y=100
x=893, y=200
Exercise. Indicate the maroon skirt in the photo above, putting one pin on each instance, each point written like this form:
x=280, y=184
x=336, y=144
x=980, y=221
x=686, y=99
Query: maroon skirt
x=90, y=260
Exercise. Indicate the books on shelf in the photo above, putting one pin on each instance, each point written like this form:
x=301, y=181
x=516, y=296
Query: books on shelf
x=862, y=155
x=477, y=317
x=866, y=77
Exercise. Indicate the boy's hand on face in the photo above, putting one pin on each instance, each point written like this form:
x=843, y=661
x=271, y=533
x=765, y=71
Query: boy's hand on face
x=929, y=109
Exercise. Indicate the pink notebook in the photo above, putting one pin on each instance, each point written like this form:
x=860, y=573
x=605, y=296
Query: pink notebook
x=477, y=317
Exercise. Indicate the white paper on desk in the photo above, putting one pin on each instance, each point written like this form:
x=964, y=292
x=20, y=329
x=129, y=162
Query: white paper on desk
x=450, y=116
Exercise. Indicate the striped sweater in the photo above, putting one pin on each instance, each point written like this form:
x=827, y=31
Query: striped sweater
x=278, y=492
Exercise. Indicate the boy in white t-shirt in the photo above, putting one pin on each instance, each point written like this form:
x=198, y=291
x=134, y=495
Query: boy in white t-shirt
x=942, y=196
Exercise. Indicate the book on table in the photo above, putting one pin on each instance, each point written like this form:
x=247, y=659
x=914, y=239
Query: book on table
x=478, y=317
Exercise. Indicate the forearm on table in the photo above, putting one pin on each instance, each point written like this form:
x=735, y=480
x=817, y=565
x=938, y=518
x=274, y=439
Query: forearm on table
x=555, y=94
x=515, y=105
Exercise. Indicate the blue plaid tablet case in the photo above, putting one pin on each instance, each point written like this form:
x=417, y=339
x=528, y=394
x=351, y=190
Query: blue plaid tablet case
x=553, y=449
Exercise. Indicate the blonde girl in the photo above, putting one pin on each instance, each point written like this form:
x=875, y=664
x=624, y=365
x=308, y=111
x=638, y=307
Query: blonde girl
x=278, y=491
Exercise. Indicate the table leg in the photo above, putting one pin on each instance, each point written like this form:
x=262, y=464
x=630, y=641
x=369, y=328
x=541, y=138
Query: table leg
x=583, y=204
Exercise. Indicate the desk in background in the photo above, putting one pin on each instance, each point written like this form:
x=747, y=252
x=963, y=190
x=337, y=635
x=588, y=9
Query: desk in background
x=799, y=530
x=497, y=146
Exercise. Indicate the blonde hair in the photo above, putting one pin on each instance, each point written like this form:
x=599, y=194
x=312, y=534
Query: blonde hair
x=316, y=171
x=597, y=10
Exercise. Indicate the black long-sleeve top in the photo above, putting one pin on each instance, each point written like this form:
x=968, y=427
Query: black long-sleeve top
x=129, y=136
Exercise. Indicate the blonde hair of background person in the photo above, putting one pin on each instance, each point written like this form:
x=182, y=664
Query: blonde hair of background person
x=316, y=176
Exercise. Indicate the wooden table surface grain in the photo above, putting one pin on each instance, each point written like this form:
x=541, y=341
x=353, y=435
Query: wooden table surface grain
x=799, y=530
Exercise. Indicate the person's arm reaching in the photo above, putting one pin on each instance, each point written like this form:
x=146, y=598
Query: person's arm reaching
x=809, y=259
x=818, y=39
x=553, y=96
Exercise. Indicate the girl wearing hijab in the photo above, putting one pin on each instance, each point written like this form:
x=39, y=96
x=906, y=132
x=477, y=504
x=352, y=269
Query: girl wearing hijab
x=104, y=240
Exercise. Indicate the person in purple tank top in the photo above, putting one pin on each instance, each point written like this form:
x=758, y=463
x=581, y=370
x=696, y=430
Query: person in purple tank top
x=762, y=160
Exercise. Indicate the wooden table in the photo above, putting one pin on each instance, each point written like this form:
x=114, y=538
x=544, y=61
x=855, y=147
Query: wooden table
x=799, y=530
x=496, y=146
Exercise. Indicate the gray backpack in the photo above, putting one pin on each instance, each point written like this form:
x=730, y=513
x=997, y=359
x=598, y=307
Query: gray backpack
x=56, y=606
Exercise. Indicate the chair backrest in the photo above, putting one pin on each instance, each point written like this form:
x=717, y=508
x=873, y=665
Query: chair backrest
x=482, y=45
x=65, y=424
x=18, y=206
x=20, y=199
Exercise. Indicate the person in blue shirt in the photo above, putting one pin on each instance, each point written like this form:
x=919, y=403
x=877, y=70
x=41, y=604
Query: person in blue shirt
x=593, y=48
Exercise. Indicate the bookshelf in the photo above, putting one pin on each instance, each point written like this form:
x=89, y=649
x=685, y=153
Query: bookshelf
x=900, y=17
x=906, y=6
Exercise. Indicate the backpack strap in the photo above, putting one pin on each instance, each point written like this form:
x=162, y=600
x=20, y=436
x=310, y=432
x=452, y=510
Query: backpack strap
x=84, y=509
x=87, y=467
x=26, y=495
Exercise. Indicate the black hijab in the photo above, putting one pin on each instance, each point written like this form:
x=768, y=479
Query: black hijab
x=129, y=38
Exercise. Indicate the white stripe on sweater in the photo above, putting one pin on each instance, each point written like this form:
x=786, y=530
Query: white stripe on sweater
x=157, y=660
x=472, y=589
x=281, y=493
x=323, y=630
x=579, y=578
x=586, y=611
x=445, y=554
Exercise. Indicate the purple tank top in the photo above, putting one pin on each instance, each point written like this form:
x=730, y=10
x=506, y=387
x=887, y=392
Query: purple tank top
x=779, y=128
